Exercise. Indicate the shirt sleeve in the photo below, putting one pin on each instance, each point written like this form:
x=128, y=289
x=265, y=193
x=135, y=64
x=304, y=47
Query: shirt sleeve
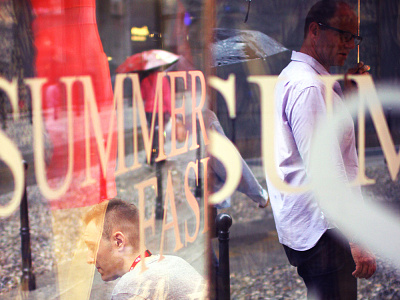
x=248, y=184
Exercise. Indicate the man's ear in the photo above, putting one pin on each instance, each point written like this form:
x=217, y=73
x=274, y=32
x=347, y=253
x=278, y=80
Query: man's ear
x=119, y=240
x=313, y=30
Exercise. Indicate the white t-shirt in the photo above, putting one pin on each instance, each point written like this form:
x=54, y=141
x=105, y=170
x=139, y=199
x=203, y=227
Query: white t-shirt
x=170, y=278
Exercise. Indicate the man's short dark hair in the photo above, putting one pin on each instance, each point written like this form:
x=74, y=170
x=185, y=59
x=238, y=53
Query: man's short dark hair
x=118, y=216
x=322, y=12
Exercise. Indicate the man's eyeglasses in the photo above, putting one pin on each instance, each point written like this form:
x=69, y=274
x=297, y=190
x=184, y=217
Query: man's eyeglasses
x=345, y=35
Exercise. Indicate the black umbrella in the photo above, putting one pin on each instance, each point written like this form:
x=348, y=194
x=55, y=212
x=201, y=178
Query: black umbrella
x=234, y=46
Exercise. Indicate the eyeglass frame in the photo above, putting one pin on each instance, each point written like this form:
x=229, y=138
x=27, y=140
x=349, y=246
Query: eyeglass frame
x=357, y=38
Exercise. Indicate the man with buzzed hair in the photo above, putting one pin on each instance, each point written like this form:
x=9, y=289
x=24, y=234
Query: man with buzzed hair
x=328, y=264
x=112, y=237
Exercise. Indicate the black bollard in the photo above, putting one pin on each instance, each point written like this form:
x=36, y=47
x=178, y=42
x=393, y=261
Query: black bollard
x=223, y=222
x=154, y=154
x=28, y=282
x=199, y=189
x=159, y=206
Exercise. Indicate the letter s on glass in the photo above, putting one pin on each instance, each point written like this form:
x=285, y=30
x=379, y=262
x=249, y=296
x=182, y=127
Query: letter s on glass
x=222, y=149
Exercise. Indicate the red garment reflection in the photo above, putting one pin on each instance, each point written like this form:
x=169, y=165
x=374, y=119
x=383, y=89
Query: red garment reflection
x=68, y=44
x=148, y=90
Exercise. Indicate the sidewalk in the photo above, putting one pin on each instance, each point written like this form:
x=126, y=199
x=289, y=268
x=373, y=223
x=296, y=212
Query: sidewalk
x=258, y=265
x=194, y=253
x=253, y=246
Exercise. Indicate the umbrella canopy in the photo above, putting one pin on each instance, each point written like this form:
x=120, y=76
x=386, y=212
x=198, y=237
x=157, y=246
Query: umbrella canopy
x=234, y=46
x=147, y=60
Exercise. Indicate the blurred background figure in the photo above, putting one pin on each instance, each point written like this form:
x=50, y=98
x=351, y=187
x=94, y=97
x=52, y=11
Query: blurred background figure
x=148, y=64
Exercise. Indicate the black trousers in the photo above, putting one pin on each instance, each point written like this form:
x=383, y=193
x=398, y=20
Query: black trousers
x=326, y=268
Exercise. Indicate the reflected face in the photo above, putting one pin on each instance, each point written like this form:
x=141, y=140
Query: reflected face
x=102, y=254
x=330, y=47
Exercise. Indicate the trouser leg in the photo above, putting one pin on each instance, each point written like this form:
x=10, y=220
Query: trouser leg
x=326, y=268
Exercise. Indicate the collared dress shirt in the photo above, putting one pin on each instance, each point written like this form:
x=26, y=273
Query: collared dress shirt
x=299, y=105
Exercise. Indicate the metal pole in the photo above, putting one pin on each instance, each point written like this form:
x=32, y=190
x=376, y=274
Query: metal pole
x=159, y=23
x=28, y=282
x=223, y=222
x=358, y=28
x=199, y=190
x=159, y=206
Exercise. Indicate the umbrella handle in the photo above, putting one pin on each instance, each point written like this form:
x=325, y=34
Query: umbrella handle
x=358, y=29
x=248, y=10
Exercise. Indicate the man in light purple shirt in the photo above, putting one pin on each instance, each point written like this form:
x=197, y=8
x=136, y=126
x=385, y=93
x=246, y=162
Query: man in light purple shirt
x=328, y=264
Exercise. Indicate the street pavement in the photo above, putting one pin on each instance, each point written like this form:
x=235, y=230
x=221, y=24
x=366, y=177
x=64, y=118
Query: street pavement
x=253, y=245
x=253, y=241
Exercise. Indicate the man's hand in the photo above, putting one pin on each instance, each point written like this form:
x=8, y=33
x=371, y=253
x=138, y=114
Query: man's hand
x=365, y=262
x=360, y=68
x=265, y=196
x=180, y=131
